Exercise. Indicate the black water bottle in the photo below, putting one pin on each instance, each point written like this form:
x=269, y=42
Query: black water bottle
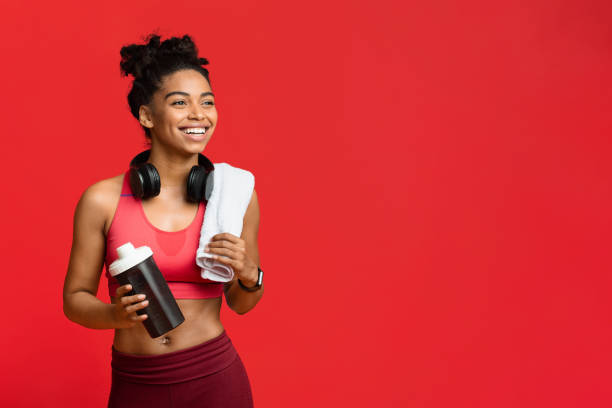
x=137, y=267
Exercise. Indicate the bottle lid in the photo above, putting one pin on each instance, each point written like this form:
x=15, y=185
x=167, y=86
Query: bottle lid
x=128, y=257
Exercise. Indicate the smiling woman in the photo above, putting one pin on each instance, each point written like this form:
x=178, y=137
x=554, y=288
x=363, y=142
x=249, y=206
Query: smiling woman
x=153, y=203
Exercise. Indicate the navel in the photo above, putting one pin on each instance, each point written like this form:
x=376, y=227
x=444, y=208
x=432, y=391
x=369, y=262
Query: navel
x=165, y=340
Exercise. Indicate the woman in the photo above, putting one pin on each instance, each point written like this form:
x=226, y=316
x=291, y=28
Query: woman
x=194, y=364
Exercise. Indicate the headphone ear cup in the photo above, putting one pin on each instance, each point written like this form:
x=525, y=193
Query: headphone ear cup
x=210, y=183
x=145, y=181
x=136, y=183
x=154, y=180
x=196, y=184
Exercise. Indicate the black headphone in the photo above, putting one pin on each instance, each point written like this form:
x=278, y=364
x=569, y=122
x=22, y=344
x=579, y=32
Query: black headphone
x=145, y=181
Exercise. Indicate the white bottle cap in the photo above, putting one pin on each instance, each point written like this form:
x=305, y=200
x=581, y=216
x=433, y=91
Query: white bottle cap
x=128, y=257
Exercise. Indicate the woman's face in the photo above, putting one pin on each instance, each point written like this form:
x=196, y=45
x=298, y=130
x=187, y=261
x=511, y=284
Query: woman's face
x=183, y=101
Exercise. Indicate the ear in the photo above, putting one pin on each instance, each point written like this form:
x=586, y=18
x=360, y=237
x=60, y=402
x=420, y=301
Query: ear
x=145, y=117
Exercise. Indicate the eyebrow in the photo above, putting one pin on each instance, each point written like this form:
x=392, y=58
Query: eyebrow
x=186, y=94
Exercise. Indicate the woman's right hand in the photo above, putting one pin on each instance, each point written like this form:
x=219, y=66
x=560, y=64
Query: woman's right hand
x=126, y=306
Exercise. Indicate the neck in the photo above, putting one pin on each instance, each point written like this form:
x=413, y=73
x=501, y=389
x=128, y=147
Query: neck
x=173, y=168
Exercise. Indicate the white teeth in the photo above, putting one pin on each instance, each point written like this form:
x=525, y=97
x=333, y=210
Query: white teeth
x=194, y=130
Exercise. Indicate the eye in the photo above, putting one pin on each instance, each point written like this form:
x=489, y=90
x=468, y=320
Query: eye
x=174, y=103
x=210, y=102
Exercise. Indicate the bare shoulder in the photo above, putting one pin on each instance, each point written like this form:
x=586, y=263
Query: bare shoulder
x=100, y=200
x=106, y=186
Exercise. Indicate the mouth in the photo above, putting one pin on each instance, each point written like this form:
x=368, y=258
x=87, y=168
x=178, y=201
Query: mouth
x=195, y=133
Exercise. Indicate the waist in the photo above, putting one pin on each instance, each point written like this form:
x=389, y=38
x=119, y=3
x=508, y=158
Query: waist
x=197, y=361
x=202, y=322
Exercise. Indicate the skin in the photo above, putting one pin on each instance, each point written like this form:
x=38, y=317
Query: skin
x=173, y=154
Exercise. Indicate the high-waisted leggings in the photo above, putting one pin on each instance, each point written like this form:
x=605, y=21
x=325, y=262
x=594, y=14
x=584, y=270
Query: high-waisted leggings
x=210, y=374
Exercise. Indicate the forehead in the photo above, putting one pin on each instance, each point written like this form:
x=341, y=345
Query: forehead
x=186, y=80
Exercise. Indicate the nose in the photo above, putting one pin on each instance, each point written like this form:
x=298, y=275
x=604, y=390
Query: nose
x=196, y=112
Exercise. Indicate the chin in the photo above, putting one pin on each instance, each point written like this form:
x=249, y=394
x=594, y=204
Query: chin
x=197, y=147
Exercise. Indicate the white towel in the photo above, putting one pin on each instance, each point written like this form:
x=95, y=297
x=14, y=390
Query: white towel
x=225, y=209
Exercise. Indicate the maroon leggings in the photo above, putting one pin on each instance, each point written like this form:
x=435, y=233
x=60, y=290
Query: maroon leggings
x=210, y=374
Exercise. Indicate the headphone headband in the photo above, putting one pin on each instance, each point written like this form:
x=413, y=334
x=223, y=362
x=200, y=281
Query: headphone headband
x=142, y=157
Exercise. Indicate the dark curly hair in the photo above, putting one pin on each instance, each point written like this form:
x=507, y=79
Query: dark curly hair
x=149, y=63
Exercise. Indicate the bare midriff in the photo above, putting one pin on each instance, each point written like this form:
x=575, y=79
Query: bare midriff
x=202, y=323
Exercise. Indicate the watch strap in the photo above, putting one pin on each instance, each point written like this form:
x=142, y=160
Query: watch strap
x=257, y=286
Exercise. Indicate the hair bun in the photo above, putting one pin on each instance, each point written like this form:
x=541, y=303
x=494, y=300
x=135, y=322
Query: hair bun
x=136, y=58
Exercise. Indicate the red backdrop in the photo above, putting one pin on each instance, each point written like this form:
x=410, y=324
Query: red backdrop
x=434, y=182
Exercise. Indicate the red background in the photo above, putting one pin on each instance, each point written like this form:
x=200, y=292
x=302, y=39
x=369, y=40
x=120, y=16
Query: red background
x=434, y=183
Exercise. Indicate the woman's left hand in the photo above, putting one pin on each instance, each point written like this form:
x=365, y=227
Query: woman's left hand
x=231, y=250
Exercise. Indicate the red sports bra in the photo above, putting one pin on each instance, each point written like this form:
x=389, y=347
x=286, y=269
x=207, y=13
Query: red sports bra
x=174, y=252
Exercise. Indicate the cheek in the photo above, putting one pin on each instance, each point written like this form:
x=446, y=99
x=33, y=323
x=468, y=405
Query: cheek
x=213, y=115
x=172, y=118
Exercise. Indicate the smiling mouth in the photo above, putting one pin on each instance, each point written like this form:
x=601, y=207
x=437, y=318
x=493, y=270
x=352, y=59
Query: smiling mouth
x=195, y=131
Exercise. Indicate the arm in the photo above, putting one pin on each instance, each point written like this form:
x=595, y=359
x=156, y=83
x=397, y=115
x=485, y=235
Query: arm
x=86, y=260
x=237, y=299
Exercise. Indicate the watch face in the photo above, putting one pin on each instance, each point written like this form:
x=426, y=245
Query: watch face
x=260, y=278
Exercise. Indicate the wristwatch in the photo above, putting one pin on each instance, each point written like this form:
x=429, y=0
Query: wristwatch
x=257, y=286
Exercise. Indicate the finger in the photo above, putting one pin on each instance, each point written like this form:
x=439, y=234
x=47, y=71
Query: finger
x=227, y=252
x=235, y=243
x=226, y=236
x=126, y=300
x=238, y=247
x=139, y=317
x=133, y=308
x=137, y=306
x=225, y=260
x=123, y=289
